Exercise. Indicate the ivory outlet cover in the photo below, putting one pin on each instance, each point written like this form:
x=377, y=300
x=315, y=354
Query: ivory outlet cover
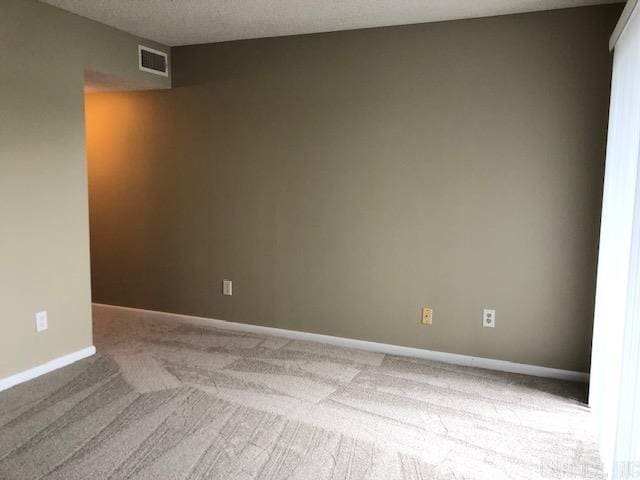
x=427, y=316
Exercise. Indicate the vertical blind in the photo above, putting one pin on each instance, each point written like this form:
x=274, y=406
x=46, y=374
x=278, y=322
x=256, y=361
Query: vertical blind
x=615, y=365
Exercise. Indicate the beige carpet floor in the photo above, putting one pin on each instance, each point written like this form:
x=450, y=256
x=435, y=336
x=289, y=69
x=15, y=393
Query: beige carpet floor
x=165, y=400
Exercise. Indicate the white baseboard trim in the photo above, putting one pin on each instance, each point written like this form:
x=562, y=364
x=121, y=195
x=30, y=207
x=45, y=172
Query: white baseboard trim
x=453, y=358
x=50, y=366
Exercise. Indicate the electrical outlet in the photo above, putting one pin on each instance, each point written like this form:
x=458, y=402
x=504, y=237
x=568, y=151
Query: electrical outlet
x=488, y=318
x=42, y=322
x=227, y=287
x=427, y=316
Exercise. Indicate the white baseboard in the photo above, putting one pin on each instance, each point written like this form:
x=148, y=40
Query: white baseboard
x=50, y=366
x=453, y=358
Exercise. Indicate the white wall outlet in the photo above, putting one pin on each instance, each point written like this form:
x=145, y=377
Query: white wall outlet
x=488, y=318
x=42, y=322
x=227, y=287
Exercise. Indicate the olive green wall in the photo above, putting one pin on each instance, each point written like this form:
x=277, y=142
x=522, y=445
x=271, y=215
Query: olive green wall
x=345, y=180
x=44, y=229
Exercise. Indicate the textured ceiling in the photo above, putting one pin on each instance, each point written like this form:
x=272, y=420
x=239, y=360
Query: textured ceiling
x=183, y=22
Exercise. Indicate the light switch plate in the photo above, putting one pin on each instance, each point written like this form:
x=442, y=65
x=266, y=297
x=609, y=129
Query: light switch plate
x=227, y=287
x=42, y=322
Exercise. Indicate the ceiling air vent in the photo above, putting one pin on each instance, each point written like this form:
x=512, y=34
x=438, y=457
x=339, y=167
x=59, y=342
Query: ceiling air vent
x=152, y=61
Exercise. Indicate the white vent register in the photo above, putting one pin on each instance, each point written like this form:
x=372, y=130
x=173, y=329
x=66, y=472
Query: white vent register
x=153, y=61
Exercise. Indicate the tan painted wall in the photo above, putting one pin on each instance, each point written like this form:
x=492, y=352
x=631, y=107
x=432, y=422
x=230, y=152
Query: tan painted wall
x=44, y=231
x=344, y=180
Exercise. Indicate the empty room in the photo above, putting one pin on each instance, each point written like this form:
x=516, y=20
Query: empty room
x=316, y=240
